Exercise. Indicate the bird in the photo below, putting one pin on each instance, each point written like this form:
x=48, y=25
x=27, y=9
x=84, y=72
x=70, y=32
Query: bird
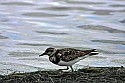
x=67, y=56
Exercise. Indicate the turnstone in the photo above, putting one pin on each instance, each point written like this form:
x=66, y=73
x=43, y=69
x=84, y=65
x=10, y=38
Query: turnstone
x=67, y=56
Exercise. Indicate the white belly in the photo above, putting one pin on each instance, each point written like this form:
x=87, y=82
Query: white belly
x=70, y=63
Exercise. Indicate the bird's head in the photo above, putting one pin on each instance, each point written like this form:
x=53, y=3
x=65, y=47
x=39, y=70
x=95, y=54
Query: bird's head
x=48, y=51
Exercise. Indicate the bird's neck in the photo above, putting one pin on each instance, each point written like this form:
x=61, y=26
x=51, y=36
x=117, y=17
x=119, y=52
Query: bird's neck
x=54, y=58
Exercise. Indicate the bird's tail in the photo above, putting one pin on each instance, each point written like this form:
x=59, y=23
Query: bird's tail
x=94, y=52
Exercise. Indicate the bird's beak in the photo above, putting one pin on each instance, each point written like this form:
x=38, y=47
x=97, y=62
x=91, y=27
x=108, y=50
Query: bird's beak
x=42, y=54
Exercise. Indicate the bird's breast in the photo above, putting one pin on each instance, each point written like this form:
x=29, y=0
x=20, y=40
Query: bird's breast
x=54, y=59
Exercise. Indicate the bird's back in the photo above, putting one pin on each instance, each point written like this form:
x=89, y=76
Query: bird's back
x=68, y=54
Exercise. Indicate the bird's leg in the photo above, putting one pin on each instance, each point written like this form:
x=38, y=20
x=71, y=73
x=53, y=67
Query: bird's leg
x=65, y=69
x=71, y=68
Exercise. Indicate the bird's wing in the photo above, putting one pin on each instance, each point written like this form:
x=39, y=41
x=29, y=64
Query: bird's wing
x=68, y=54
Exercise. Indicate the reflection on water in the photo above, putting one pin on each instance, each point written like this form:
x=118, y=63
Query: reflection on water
x=28, y=27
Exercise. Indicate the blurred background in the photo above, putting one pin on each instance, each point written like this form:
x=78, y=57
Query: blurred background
x=28, y=27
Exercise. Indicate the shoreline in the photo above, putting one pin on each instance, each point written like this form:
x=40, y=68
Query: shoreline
x=90, y=75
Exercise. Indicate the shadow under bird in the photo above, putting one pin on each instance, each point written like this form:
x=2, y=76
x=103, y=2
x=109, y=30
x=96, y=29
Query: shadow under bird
x=67, y=56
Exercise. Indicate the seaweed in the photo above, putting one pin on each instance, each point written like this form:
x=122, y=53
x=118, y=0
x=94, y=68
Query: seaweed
x=84, y=75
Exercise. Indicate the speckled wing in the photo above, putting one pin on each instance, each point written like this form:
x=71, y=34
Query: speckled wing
x=68, y=54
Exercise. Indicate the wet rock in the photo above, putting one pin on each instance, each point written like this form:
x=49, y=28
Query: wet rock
x=85, y=75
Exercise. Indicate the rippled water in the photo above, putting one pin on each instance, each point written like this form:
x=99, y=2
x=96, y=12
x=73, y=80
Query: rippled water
x=28, y=27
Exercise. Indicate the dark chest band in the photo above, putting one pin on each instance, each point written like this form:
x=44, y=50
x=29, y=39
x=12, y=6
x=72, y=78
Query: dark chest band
x=57, y=59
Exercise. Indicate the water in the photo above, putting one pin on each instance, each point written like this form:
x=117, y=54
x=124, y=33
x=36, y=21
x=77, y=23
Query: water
x=28, y=27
